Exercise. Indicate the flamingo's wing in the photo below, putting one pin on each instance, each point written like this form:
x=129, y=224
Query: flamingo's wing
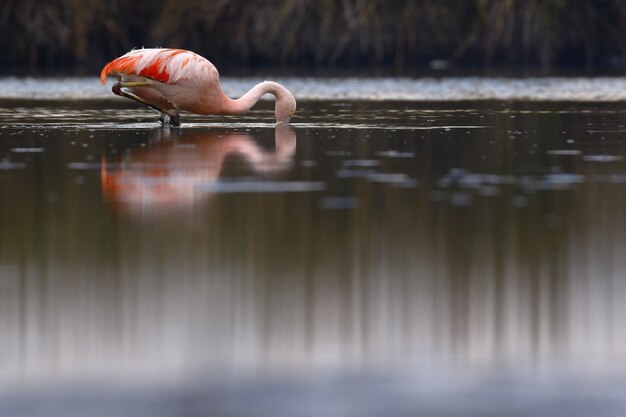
x=164, y=65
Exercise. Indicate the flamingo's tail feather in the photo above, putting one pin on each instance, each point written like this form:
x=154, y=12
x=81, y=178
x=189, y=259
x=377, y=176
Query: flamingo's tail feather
x=122, y=65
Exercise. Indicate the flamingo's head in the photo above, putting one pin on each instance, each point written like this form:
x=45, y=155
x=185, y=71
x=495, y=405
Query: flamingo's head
x=285, y=107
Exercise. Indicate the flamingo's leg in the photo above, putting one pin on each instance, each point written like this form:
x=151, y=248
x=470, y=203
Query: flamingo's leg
x=174, y=118
x=117, y=90
x=128, y=84
x=173, y=115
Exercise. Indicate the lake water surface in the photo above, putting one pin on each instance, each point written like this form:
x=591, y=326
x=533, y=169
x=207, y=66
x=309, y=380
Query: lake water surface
x=385, y=254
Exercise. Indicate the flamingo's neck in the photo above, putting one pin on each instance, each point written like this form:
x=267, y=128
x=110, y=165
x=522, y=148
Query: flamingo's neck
x=285, y=101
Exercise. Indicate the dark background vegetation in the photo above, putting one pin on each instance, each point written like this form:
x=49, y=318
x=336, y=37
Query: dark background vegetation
x=77, y=36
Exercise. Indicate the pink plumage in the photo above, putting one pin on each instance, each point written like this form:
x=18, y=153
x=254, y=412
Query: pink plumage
x=164, y=65
x=175, y=79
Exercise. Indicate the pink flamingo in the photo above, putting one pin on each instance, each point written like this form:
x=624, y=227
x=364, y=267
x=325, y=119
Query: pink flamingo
x=170, y=80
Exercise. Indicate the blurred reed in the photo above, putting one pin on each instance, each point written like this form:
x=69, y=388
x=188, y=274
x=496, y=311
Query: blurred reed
x=395, y=34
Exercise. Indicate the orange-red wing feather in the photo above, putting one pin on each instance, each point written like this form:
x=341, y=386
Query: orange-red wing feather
x=156, y=70
x=155, y=67
x=122, y=65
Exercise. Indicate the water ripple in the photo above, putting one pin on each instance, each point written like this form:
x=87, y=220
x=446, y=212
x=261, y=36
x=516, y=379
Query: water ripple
x=365, y=88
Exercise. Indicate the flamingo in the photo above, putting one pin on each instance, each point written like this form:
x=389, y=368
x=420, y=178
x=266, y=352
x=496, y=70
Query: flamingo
x=170, y=80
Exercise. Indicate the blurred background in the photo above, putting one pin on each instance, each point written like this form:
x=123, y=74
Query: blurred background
x=306, y=35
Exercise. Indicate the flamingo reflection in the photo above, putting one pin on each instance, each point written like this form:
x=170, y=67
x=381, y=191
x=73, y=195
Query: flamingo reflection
x=171, y=175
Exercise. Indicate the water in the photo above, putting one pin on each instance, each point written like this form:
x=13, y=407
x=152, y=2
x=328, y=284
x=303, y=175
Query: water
x=585, y=89
x=377, y=257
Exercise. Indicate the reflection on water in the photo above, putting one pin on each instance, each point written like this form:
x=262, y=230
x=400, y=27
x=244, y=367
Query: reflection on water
x=492, y=248
x=170, y=175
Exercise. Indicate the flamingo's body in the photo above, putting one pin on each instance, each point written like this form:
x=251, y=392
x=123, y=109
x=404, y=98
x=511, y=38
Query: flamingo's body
x=170, y=80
